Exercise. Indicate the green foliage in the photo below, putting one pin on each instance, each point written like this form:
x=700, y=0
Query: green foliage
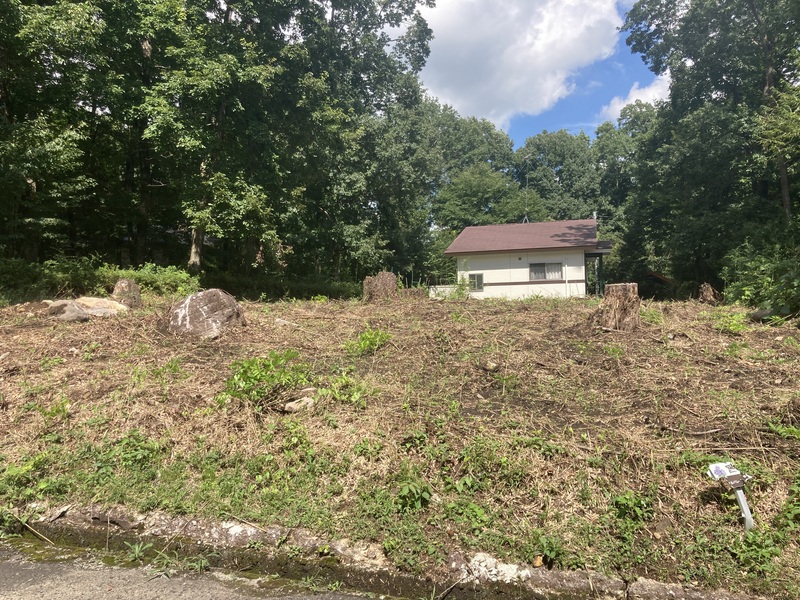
x=164, y=281
x=261, y=381
x=756, y=551
x=545, y=447
x=468, y=513
x=136, y=551
x=768, y=278
x=368, y=342
x=345, y=388
x=631, y=506
x=790, y=432
x=651, y=315
x=413, y=495
x=732, y=323
x=21, y=280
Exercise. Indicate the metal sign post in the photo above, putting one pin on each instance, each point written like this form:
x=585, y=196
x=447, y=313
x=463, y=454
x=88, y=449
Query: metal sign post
x=732, y=479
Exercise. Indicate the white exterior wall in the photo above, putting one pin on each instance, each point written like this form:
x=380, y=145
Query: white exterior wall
x=508, y=275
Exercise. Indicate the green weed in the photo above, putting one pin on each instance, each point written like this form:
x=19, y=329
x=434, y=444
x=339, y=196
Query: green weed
x=48, y=362
x=368, y=342
x=786, y=431
x=262, y=381
x=345, y=388
x=545, y=447
x=136, y=552
x=413, y=495
x=631, y=506
x=731, y=323
x=651, y=315
x=89, y=351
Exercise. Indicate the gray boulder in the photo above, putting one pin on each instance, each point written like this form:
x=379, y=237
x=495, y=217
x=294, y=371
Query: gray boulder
x=67, y=310
x=206, y=314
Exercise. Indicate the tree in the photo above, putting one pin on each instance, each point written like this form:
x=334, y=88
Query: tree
x=730, y=53
x=561, y=169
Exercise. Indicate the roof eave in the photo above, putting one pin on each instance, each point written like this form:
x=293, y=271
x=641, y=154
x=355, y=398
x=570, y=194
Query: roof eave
x=513, y=250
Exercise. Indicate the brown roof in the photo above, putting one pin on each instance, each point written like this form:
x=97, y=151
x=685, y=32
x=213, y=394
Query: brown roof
x=525, y=236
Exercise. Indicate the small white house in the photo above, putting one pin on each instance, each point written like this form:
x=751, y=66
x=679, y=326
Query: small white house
x=527, y=259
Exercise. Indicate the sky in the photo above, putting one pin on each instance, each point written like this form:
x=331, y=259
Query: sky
x=531, y=65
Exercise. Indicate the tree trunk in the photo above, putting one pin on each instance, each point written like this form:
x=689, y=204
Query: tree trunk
x=767, y=46
x=785, y=197
x=196, y=251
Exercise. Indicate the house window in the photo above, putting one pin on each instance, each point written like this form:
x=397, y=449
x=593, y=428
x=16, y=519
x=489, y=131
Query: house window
x=547, y=272
x=476, y=282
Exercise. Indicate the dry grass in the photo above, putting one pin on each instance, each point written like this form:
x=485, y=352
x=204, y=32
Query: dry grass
x=552, y=419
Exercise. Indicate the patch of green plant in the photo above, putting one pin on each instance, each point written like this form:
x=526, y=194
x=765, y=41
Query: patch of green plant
x=414, y=439
x=262, y=381
x=489, y=463
x=545, y=447
x=469, y=514
x=651, y=315
x=462, y=485
x=757, y=550
x=767, y=276
x=614, y=351
x=789, y=432
x=735, y=349
x=549, y=547
x=54, y=413
x=731, y=323
x=163, y=281
x=413, y=494
x=345, y=388
x=88, y=351
x=369, y=449
x=694, y=460
x=136, y=551
x=48, y=362
x=631, y=506
x=368, y=342
x=506, y=382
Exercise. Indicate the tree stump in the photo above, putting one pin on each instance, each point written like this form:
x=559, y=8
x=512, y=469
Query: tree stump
x=708, y=295
x=620, y=307
x=128, y=292
x=381, y=287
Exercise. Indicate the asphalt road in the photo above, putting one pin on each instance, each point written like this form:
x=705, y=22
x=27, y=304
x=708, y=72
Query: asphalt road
x=84, y=578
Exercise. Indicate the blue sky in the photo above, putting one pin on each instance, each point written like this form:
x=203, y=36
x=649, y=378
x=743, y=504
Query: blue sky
x=530, y=65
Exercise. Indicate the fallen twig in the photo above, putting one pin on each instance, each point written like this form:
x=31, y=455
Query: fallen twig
x=33, y=531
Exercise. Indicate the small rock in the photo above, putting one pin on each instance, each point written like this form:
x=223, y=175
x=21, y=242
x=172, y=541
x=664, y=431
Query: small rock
x=298, y=405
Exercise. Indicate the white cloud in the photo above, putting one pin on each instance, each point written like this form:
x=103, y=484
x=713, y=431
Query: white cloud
x=657, y=90
x=499, y=58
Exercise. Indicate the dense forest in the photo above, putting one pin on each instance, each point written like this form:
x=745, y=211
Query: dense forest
x=292, y=139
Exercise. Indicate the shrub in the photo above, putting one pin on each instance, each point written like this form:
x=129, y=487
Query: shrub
x=22, y=281
x=768, y=278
